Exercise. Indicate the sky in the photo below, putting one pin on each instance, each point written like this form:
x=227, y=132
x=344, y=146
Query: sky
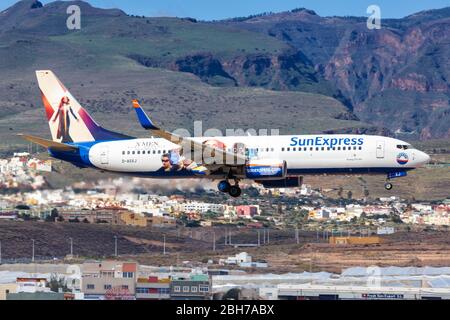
x=222, y=9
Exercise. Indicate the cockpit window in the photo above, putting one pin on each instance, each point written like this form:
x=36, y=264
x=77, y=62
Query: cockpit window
x=402, y=146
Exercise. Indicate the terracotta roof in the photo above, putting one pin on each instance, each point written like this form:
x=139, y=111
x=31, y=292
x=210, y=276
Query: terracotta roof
x=129, y=267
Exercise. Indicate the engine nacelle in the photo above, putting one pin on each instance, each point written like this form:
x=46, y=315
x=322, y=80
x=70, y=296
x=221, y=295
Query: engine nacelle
x=266, y=169
x=288, y=182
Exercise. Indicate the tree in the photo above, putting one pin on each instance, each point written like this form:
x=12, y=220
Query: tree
x=232, y=294
x=366, y=193
x=55, y=283
x=340, y=190
x=193, y=224
x=349, y=195
x=53, y=215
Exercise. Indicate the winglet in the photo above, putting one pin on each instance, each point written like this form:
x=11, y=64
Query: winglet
x=144, y=120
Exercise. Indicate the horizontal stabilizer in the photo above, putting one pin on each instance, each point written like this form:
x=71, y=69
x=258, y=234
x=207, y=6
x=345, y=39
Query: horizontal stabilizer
x=49, y=143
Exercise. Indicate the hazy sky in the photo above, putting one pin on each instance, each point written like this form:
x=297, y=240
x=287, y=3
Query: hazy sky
x=221, y=9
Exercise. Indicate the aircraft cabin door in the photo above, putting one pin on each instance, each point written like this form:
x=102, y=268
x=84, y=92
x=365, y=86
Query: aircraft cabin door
x=380, y=149
x=104, y=155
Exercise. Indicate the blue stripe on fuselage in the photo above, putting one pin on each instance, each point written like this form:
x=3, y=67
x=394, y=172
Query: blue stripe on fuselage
x=367, y=170
x=80, y=157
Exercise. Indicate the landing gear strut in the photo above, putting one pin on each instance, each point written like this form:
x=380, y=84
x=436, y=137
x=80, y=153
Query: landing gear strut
x=388, y=186
x=234, y=191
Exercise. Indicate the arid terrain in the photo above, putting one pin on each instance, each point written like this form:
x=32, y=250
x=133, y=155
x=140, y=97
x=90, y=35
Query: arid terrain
x=194, y=246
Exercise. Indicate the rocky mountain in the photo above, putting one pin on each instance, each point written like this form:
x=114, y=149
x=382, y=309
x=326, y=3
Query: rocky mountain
x=391, y=81
x=397, y=76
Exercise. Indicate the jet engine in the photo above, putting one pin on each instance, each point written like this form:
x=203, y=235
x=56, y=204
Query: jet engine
x=265, y=169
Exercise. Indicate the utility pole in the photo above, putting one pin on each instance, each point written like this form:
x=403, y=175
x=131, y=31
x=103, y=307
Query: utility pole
x=296, y=235
x=214, y=241
x=229, y=240
x=71, y=247
x=0, y=252
x=264, y=236
x=32, y=255
x=259, y=238
x=164, y=245
x=268, y=235
x=115, y=246
x=226, y=236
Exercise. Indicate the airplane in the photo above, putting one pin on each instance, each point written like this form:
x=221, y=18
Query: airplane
x=278, y=161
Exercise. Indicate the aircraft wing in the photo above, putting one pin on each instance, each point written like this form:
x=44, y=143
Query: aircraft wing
x=210, y=155
x=49, y=144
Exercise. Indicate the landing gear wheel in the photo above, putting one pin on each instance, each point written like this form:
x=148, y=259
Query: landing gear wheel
x=388, y=186
x=224, y=186
x=235, y=191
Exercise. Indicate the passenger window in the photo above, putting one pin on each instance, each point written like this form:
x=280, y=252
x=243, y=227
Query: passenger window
x=323, y=148
x=360, y=148
x=288, y=149
x=354, y=148
x=328, y=148
x=123, y=152
x=339, y=148
x=317, y=148
x=311, y=149
x=138, y=152
x=133, y=152
x=294, y=149
x=334, y=148
x=128, y=152
x=282, y=149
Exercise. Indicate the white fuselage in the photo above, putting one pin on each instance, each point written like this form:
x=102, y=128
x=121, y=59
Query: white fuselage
x=303, y=154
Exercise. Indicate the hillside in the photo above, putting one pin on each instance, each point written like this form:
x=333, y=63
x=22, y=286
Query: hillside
x=399, y=72
x=115, y=58
x=395, y=80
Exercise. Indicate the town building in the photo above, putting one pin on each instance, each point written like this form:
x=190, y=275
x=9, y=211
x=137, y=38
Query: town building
x=109, y=280
x=193, y=287
x=153, y=288
x=247, y=211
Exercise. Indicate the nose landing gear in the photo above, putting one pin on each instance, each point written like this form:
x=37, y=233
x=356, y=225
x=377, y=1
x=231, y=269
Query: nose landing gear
x=234, y=191
x=388, y=186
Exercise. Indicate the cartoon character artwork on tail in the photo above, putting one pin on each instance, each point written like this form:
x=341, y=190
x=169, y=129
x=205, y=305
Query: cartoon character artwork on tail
x=63, y=117
x=68, y=120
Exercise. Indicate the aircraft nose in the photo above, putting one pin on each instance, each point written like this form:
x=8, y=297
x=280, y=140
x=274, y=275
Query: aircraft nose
x=423, y=158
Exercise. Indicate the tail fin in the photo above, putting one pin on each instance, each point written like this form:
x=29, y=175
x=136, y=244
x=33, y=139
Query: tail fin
x=68, y=120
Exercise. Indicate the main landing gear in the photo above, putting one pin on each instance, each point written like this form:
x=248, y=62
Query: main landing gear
x=233, y=190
